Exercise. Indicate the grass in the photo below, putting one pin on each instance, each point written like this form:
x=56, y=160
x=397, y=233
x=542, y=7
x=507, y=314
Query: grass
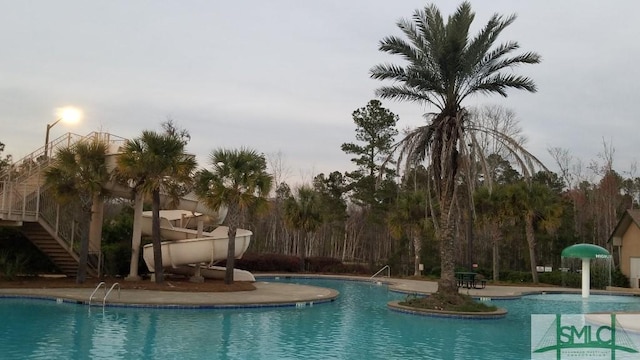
x=443, y=302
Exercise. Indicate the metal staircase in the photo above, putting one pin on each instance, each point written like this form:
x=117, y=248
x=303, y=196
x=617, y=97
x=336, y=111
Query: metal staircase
x=52, y=227
x=61, y=255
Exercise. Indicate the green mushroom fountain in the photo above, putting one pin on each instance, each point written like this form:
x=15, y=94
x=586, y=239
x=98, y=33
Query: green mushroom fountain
x=586, y=252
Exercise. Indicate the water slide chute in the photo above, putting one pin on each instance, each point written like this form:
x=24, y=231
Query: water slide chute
x=185, y=246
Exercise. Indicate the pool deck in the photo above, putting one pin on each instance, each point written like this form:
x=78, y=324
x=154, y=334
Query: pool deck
x=267, y=294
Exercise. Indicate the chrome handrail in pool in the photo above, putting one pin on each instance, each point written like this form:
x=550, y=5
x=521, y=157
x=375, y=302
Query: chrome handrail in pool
x=109, y=292
x=386, y=267
x=102, y=283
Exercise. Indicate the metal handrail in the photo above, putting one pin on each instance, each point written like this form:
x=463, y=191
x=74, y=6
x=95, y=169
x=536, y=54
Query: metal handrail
x=102, y=283
x=33, y=162
x=386, y=267
x=24, y=197
x=109, y=292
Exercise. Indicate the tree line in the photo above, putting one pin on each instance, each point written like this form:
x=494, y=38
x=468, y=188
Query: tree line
x=376, y=215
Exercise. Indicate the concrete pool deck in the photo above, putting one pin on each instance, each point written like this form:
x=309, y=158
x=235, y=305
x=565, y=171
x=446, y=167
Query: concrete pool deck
x=268, y=294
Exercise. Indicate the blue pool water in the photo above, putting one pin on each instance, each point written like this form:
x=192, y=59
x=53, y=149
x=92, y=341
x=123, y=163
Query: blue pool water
x=358, y=325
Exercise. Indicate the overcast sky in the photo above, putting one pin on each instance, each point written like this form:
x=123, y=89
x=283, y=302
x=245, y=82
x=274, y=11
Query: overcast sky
x=284, y=76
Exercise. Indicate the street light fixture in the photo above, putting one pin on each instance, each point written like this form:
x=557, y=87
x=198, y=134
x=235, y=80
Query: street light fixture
x=67, y=114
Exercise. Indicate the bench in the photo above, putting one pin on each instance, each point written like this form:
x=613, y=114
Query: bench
x=466, y=279
x=480, y=284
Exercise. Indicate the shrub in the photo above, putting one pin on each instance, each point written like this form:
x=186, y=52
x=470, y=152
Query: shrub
x=619, y=279
x=14, y=244
x=599, y=279
x=559, y=278
x=440, y=301
x=347, y=269
x=320, y=264
x=515, y=276
x=289, y=263
x=487, y=273
x=435, y=271
x=116, y=243
x=117, y=258
x=12, y=264
x=268, y=262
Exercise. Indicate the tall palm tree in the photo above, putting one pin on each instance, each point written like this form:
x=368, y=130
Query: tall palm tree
x=155, y=163
x=444, y=66
x=238, y=180
x=79, y=172
x=303, y=213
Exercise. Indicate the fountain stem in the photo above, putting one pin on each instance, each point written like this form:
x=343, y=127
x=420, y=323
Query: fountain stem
x=586, y=252
x=586, y=278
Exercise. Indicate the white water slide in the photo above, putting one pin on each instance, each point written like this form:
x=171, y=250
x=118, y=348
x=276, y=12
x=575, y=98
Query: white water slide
x=186, y=248
x=183, y=247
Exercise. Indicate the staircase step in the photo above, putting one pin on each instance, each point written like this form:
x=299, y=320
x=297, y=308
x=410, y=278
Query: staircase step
x=50, y=246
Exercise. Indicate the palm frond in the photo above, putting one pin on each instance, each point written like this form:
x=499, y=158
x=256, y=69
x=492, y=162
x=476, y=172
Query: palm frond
x=238, y=177
x=499, y=83
x=79, y=170
x=404, y=93
x=397, y=46
x=443, y=65
x=526, y=161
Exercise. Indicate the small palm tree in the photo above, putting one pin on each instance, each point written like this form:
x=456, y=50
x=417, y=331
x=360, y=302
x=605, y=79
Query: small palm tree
x=238, y=179
x=157, y=163
x=444, y=66
x=538, y=207
x=303, y=213
x=80, y=172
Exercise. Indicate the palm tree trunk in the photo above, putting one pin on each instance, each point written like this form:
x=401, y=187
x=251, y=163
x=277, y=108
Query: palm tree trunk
x=496, y=237
x=136, y=237
x=470, y=235
x=447, y=283
x=155, y=236
x=95, y=225
x=417, y=248
x=81, y=276
x=302, y=249
x=531, y=241
x=234, y=218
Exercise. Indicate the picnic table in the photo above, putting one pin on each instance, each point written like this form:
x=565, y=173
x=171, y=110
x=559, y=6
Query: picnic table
x=469, y=280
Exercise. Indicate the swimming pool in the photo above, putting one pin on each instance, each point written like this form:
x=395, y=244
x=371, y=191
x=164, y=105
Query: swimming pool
x=358, y=325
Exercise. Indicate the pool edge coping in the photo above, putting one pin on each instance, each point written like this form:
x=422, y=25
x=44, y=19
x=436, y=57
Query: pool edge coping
x=497, y=314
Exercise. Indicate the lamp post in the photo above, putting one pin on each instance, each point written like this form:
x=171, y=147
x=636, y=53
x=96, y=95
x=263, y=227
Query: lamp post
x=68, y=114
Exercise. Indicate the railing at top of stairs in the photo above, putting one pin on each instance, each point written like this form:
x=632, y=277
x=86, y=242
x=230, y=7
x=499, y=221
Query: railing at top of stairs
x=34, y=162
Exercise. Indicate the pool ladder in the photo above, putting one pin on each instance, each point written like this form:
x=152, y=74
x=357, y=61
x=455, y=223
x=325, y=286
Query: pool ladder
x=106, y=293
x=386, y=267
